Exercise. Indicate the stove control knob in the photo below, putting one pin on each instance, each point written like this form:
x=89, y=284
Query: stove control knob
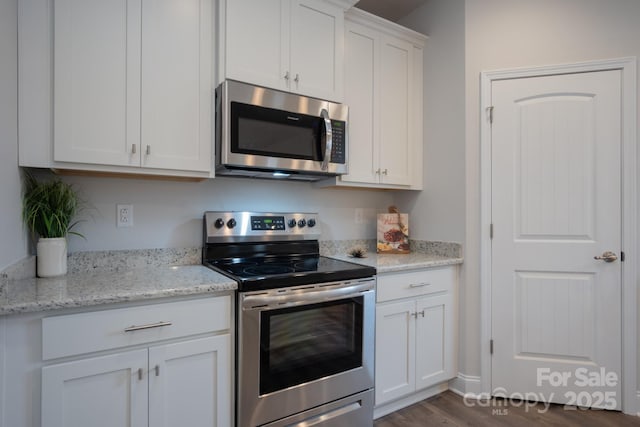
x=302, y=223
x=231, y=223
x=219, y=223
x=292, y=223
x=311, y=222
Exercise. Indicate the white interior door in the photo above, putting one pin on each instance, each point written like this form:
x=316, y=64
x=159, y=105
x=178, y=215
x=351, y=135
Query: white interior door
x=556, y=203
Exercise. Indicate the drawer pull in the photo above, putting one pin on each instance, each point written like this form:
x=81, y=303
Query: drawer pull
x=149, y=326
x=419, y=285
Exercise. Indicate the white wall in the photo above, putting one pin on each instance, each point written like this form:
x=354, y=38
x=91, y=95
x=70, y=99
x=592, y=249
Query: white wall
x=168, y=214
x=438, y=211
x=13, y=246
x=507, y=34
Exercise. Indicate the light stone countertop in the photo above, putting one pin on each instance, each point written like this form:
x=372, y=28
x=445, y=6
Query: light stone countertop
x=89, y=289
x=387, y=263
x=107, y=277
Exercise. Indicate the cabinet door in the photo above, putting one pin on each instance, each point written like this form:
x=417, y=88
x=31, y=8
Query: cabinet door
x=256, y=49
x=177, y=52
x=190, y=383
x=434, y=340
x=317, y=49
x=360, y=94
x=99, y=392
x=395, y=350
x=396, y=118
x=96, y=81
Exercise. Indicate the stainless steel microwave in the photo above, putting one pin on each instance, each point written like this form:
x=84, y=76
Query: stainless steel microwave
x=267, y=133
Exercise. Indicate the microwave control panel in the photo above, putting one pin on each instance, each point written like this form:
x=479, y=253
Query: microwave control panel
x=338, y=147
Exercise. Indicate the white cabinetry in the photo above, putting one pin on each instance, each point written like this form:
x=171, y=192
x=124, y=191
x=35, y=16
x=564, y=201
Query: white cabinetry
x=415, y=316
x=141, y=381
x=291, y=45
x=383, y=89
x=120, y=86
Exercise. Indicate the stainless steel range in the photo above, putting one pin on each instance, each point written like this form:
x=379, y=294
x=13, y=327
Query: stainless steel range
x=305, y=323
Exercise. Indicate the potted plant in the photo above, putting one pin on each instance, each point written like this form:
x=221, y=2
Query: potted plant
x=48, y=209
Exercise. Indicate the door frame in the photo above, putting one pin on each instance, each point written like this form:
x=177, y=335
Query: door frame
x=630, y=393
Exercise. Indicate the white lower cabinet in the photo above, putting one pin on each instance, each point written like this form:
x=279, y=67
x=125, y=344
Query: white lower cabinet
x=415, y=332
x=187, y=382
x=99, y=391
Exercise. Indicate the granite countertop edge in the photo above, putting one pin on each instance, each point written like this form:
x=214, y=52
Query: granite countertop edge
x=32, y=294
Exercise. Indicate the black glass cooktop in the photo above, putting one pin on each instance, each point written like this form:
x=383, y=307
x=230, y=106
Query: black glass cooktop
x=270, y=272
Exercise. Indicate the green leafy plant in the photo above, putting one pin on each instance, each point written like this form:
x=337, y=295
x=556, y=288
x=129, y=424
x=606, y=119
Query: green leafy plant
x=48, y=207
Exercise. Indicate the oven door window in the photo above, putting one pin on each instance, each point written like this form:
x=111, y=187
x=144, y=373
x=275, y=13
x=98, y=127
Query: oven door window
x=301, y=344
x=276, y=133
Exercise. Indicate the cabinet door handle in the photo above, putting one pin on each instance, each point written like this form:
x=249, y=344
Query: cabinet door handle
x=297, y=79
x=157, y=368
x=415, y=315
x=147, y=326
x=140, y=373
x=384, y=172
x=148, y=150
x=286, y=76
x=133, y=148
x=419, y=285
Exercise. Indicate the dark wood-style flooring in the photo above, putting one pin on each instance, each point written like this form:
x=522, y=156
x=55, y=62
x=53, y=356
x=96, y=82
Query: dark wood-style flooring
x=449, y=409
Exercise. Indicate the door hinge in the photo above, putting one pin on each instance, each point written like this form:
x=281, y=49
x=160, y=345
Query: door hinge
x=490, y=114
x=622, y=256
x=491, y=346
x=491, y=231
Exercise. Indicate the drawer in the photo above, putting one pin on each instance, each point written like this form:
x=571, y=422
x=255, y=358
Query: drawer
x=414, y=283
x=79, y=333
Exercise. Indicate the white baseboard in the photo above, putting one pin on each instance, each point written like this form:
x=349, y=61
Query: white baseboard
x=387, y=408
x=466, y=384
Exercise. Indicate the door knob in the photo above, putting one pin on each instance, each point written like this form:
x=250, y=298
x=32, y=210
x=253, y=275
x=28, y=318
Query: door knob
x=607, y=256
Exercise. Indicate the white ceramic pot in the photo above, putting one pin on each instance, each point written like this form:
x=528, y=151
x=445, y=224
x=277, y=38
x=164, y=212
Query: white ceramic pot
x=51, y=257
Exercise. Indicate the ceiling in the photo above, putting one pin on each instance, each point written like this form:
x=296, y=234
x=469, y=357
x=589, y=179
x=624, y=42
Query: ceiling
x=390, y=9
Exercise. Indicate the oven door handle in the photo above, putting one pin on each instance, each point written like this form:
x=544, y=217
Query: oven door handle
x=266, y=301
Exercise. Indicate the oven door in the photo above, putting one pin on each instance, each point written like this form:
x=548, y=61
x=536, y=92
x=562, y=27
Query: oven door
x=303, y=347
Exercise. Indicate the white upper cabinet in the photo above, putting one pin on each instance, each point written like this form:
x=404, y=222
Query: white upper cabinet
x=177, y=84
x=97, y=50
x=383, y=89
x=256, y=49
x=117, y=86
x=396, y=122
x=291, y=45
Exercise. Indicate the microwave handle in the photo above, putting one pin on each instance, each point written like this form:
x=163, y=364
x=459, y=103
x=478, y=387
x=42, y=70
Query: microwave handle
x=328, y=136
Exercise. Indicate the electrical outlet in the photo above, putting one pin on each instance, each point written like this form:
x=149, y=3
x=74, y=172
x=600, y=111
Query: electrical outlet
x=124, y=215
x=359, y=216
